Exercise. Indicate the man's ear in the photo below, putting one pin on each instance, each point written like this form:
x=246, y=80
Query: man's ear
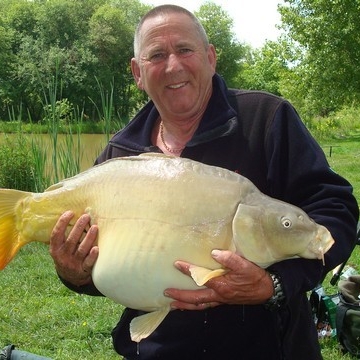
x=212, y=56
x=135, y=69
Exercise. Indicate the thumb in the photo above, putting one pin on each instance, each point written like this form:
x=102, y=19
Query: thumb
x=226, y=258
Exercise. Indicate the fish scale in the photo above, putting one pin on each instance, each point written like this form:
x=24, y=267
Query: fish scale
x=152, y=210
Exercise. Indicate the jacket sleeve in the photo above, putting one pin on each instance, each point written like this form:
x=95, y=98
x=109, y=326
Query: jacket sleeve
x=299, y=173
x=89, y=289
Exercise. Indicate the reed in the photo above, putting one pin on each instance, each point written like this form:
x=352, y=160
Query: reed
x=52, y=117
x=106, y=112
x=41, y=176
x=70, y=153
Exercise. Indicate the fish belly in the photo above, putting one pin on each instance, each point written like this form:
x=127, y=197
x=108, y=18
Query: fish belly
x=136, y=259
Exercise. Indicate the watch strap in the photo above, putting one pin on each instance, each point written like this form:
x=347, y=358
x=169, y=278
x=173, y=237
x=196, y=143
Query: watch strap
x=276, y=301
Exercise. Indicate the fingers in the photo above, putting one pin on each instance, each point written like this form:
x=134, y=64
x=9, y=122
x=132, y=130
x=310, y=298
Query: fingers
x=177, y=305
x=80, y=239
x=243, y=283
x=75, y=239
x=91, y=255
x=183, y=266
x=58, y=234
x=74, y=254
x=192, y=299
x=227, y=259
x=83, y=240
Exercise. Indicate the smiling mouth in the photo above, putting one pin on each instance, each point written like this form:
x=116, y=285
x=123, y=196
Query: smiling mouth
x=177, y=86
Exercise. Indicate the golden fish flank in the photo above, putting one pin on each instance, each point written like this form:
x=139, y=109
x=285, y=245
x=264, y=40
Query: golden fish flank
x=153, y=210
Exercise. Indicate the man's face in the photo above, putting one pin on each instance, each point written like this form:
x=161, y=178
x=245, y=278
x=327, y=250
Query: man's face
x=174, y=67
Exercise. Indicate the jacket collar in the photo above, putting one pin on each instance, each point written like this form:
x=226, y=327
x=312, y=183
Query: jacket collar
x=219, y=120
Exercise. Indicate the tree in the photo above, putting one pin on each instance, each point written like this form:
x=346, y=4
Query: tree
x=54, y=48
x=111, y=40
x=230, y=53
x=81, y=49
x=6, y=61
x=75, y=48
x=327, y=33
x=264, y=68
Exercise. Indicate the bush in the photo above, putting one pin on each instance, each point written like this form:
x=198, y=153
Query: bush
x=17, y=165
x=340, y=124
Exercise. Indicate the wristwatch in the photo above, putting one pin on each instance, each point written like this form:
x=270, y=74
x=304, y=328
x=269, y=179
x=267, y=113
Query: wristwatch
x=278, y=298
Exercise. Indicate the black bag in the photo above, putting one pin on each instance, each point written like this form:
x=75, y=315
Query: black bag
x=348, y=315
x=323, y=309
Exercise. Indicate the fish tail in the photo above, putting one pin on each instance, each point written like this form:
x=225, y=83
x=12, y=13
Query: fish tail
x=11, y=239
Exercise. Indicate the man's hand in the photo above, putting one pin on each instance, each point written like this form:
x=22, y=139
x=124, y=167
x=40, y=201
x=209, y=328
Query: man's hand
x=245, y=283
x=75, y=255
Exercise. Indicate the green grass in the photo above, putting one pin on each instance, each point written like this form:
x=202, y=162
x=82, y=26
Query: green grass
x=40, y=315
x=345, y=160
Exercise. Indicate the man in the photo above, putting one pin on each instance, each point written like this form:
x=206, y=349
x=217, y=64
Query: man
x=249, y=313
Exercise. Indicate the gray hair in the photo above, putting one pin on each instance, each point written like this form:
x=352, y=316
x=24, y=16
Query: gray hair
x=164, y=10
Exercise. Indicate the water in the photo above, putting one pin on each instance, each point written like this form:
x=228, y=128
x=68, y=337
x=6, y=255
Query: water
x=90, y=145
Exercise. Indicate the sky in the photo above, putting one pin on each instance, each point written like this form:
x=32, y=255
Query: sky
x=254, y=20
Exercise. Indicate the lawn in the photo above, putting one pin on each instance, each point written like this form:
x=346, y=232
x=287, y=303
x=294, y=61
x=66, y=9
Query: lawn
x=345, y=160
x=39, y=315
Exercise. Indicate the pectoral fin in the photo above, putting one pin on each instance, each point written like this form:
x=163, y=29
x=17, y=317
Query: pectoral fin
x=143, y=325
x=201, y=275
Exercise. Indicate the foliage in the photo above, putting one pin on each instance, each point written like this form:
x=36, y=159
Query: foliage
x=265, y=68
x=343, y=123
x=315, y=64
x=84, y=44
x=218, y=25
x=85, y=127
x=111, y=38
x=6, y=60
x=24, y=164
x=327, y=34
x=79, y=40
x=63, y=111
x=17, y=168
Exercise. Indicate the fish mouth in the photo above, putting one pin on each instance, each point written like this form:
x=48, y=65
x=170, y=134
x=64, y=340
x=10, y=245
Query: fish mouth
x=325, y=244
x=330, y=243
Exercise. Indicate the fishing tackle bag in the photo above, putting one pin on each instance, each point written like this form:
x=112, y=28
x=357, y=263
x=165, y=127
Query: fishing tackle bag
x=348, y=315
x=323, y=309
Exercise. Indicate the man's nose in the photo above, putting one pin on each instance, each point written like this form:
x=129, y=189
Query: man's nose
x=173, y=63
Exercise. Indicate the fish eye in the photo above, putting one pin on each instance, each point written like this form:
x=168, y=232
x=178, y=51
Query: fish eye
x=286, y=223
